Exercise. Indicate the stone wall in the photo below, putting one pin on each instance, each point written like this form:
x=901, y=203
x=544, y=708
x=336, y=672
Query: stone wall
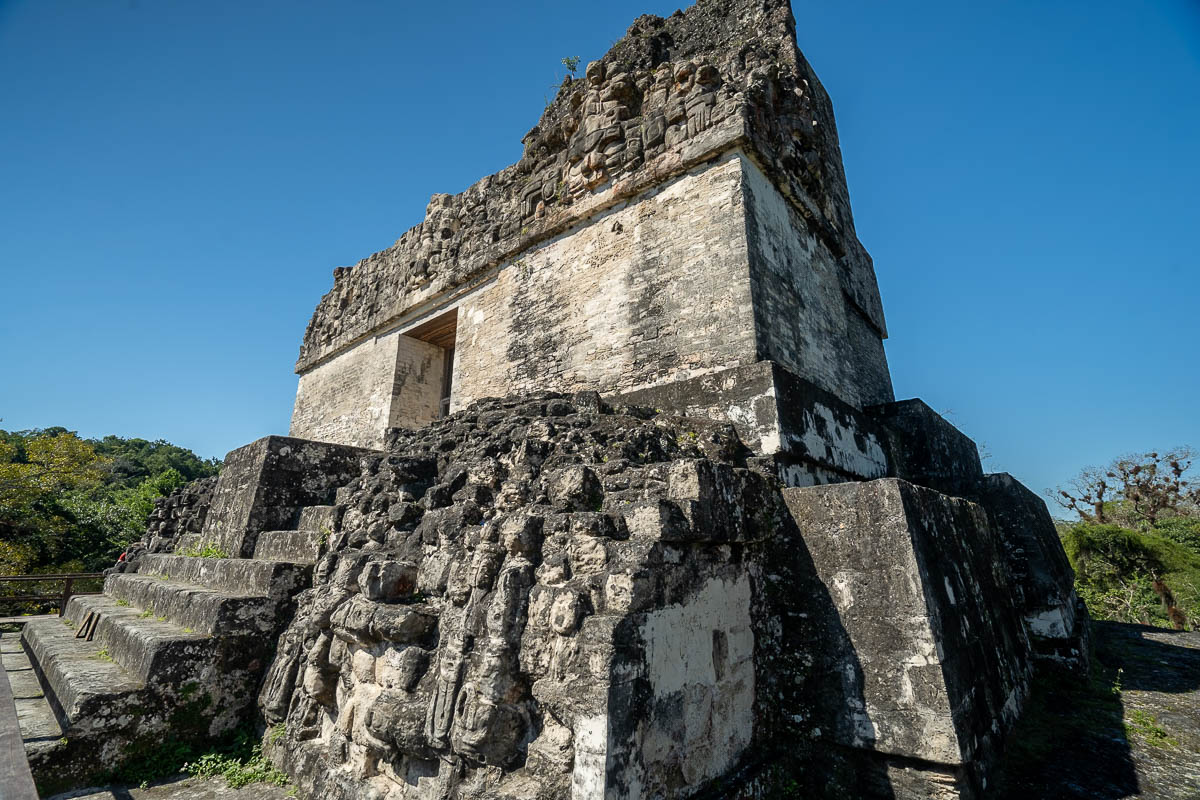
x=652, y=292
x=934, y=641
x=417, y=387
x=540, y=597
x=803, y=317
x=349, y=400
x=595, y=288
x=712, y=270
x=529, y=599
x=388, y=381
x=806, y=435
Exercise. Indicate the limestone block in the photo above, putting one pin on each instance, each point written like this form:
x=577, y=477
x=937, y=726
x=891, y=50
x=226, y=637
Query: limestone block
x=264, y=485
x=1043, y=581
x=387, y=580
x=926, y=449
x=933, y=658
x=811, y=435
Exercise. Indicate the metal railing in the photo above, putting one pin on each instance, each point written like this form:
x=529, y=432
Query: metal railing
x=60, y=599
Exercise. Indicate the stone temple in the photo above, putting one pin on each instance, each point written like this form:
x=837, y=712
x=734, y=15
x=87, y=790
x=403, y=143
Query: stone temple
x=596, y=487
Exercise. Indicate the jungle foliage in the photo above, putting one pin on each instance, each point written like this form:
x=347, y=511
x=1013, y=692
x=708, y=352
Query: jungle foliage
x=69, y=504
x=1136, y=545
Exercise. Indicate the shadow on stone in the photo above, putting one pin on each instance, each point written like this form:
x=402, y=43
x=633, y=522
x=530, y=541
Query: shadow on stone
x=1073, y=740
x=816, y=706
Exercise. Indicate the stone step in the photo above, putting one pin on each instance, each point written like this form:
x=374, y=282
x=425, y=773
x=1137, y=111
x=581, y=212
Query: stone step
x=318, y=518
x=149, y=647
x=195, y=609
x=277, y=579
x=40, y=728
x=301, y=547
x=81, y=680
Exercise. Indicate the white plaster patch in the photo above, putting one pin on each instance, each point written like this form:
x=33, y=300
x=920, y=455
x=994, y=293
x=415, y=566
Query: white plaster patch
x=842, y=447
x=1048, y=624
x=700, y=653
x=588, y=778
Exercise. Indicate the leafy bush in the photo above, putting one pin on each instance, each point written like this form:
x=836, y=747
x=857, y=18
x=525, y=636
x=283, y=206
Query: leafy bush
x=1182, y=530
x=240, y=765
x=72, y=505
x=206, y=551
x=1116, y=569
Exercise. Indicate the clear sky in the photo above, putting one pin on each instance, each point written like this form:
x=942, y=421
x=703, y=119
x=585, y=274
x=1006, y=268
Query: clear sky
x=178, y=178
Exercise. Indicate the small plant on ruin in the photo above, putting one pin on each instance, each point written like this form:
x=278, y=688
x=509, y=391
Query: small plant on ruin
x=241, y=765
x=572, y=64
x=103, y=654
x=1141, y=723
x=208, y=550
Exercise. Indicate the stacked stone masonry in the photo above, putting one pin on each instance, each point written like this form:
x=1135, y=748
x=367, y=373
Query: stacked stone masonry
x=679, y=210
x=697, y=549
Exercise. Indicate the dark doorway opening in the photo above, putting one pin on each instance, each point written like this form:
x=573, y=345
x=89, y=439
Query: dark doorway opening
x=441, y=331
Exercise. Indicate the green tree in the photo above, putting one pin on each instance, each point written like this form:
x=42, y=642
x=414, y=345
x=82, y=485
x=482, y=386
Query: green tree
x=1129, y=575
x=1137, y=489
x=39, y=479
x=133, y=460
x=1136, y=546
x=71, y=504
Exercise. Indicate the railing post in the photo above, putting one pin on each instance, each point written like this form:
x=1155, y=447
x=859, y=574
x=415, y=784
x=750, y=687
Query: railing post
x=62, y=609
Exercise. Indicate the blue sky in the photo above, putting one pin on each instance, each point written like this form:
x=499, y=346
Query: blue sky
x=179, y=178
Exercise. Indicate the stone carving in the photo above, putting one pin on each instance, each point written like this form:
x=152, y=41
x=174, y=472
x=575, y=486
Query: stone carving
x=538, y=596
x=508, y=596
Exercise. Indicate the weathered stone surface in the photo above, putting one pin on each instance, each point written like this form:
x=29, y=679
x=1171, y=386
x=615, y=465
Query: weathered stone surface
x=184, y=788
x=1042, y=577
x=673, y=93
x=264, y=485
x=810, y=435
x=927, y=450
x=679, y=210
x=177, y=650
x=934, y=643
x=552, y=644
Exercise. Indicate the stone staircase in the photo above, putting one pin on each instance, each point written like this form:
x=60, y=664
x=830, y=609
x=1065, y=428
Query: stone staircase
x=178, y=651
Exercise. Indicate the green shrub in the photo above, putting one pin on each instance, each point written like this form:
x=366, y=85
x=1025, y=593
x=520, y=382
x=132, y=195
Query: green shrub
x=239, y=767
x=205, y=551
x=1115, y=570
x=1181, y=530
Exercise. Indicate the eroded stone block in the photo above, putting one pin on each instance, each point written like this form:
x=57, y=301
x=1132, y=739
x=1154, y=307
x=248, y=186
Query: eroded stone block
x=934, y=643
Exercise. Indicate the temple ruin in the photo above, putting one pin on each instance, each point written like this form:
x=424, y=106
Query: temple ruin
x=596, y=488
